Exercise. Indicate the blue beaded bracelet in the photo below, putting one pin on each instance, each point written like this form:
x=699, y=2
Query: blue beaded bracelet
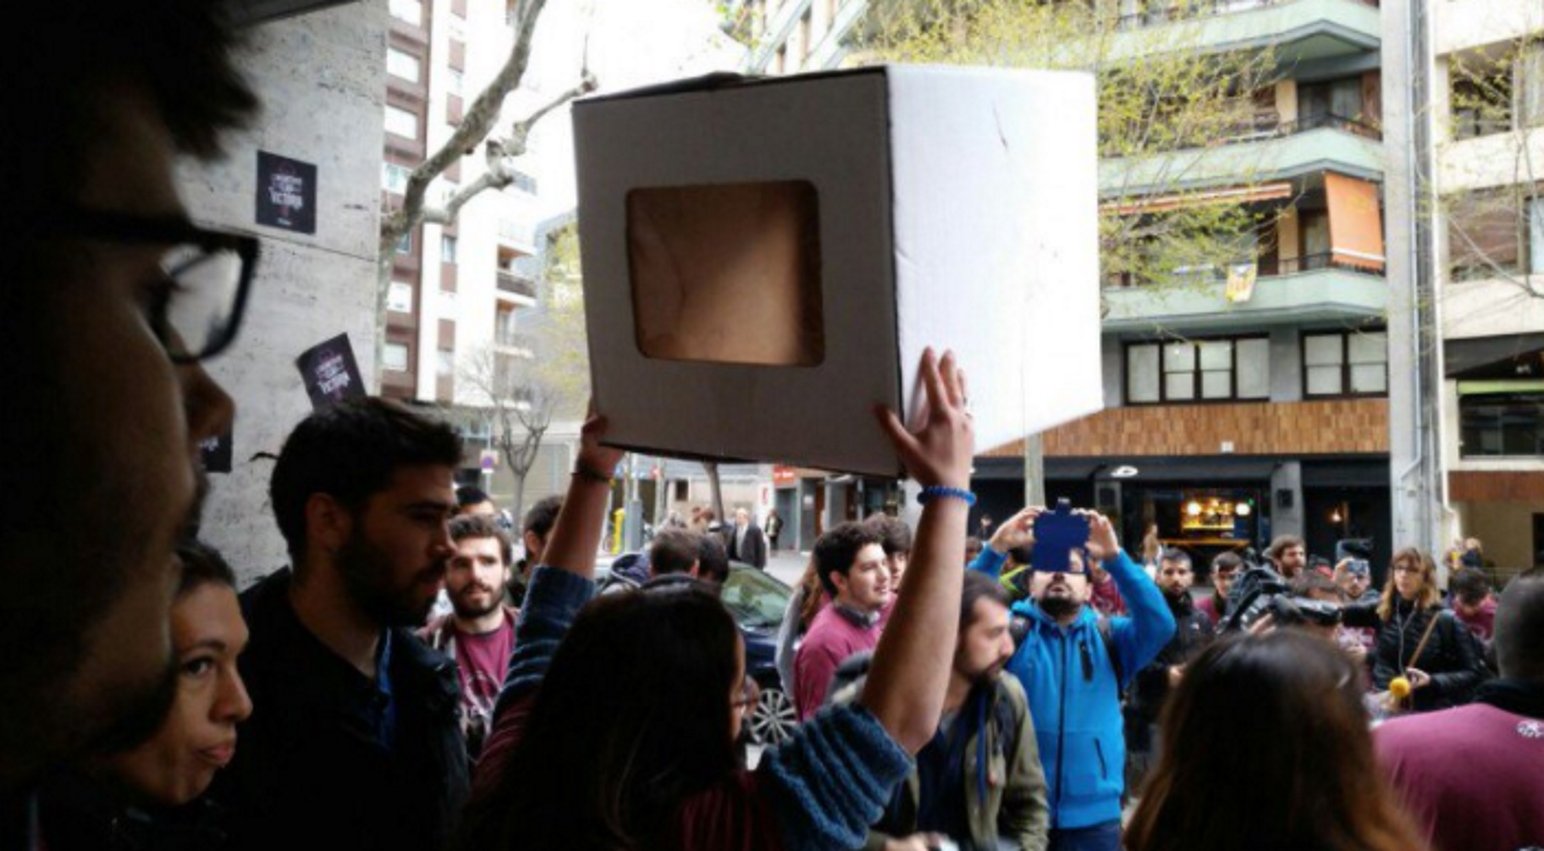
x=931, y=493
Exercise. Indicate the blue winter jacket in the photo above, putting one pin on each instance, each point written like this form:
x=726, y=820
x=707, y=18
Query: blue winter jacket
x=1073, y=694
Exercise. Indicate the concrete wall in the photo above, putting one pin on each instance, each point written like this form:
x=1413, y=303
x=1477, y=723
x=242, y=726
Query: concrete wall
x=320, y=77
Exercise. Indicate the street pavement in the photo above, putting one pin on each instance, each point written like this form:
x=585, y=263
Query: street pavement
x=787, y=565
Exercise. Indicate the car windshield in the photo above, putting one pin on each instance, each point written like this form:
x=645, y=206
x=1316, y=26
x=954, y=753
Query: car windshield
x=756, y=600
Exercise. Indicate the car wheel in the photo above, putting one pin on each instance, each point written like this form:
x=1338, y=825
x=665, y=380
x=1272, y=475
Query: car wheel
x=773, y=718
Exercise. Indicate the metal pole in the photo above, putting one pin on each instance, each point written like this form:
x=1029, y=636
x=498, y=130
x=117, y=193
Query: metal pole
x=1034, y=470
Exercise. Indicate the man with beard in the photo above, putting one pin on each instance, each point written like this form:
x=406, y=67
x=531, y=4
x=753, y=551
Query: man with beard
x=355, y=742
x=101, y=337
x=479, y=632
x=1288, y=554
x=1074, y=664
x=1192, y=631
x=979, y=780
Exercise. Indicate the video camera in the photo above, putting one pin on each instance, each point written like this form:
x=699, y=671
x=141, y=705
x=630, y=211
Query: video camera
x=1261, y=591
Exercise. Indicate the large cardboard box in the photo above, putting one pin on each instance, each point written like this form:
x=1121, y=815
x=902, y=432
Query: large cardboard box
x=766, y=259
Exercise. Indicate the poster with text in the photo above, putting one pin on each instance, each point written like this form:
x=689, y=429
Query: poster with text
x=286, y=193
x=216, y=452
x=330, y=372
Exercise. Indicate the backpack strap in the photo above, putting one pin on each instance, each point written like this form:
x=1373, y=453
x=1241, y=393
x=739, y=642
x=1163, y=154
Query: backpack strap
x=1107, y=635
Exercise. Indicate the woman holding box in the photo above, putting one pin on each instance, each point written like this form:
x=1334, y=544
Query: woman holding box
x=618, y=723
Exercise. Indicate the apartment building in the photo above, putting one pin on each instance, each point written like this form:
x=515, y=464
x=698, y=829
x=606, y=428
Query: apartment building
x=1251, y=399
x=458, y=291
x=1488, y=117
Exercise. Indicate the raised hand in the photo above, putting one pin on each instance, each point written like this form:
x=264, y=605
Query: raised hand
x=1102, y=543
x=597, y=459
x=1016, y=531
x=939, y=450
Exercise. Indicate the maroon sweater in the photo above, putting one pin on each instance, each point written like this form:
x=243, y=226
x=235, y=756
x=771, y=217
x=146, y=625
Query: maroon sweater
x=1473, y=776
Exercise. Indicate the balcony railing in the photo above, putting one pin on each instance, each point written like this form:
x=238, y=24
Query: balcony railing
x=1265, y=126
x=516, y=285
x=1158, y=13
x=1267, y=267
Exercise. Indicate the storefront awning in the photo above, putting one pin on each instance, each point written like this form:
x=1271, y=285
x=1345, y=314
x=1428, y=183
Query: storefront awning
x=1356, y=222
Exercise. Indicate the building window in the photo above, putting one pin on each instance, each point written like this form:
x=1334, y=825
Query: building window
x=405, y=244
x=447, y=249
x=401, y=122
x=399, y=297
x=394, y=357
x=1536, y=235
x=453, y=81
x=1505, y=424
x=404, y=65
x=1198, y=370
x=409, y=11
x=446, y=364
x=1484, y=235
x=394, y=177
x=1354, y=363
x=524, y=182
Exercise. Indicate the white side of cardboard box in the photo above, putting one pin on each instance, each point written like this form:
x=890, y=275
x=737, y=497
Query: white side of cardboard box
x=996, y=239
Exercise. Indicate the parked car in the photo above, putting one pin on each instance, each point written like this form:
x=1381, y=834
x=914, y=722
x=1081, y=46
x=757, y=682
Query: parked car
x=757, y=600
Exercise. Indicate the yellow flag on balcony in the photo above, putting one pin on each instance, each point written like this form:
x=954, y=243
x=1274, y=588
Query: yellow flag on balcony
x=1241, y=281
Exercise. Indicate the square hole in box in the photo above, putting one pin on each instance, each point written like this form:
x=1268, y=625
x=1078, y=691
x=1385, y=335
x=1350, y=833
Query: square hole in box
x=727, y=273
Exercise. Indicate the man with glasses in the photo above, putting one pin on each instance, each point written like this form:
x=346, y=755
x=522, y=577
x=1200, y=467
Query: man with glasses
x=109, y=298
x=1226, y=567
x=1074, y=664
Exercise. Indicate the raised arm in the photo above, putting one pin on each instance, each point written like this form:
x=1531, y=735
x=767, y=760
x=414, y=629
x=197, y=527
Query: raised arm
x=1016, y=531
x=905, y=689
x=576, y=533
x=1150, y=624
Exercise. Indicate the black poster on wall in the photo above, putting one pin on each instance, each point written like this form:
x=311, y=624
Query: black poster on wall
x=286, y=193
x=330, y=372
x=216, y=452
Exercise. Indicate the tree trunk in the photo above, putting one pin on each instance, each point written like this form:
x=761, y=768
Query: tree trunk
x=717, y=492
x=517, y=502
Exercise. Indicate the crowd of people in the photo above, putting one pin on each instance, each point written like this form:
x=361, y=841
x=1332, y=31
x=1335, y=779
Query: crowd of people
x=976, y=702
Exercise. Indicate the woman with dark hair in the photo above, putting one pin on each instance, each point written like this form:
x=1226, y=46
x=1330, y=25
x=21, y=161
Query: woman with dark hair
x=806, y=601
x=152, y=795
x=1265, y=746
x=617, y=725
x=1421, y=649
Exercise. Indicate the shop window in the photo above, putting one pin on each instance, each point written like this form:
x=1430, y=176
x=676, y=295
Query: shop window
x=1353, y=363
x=1497, y=423
x=1198, y=370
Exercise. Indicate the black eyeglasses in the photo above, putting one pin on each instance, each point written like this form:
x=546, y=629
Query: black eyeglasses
x=197, y=309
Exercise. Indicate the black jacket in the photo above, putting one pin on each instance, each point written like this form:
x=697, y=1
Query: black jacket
x=1192, y=630
x=1449, y=656
x=82, y=814
x=310, y=771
